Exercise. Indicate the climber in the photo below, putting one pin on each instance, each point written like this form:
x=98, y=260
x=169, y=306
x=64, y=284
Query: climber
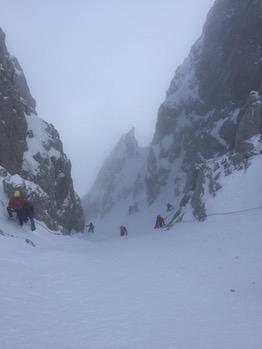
x=91, y=227
x=16, y=204
x=28, y=213
x=123, y=231
x=160, y=223
x=169, y=207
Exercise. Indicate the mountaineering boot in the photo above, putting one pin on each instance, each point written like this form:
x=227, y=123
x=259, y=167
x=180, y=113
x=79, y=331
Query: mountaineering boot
x=32, y=224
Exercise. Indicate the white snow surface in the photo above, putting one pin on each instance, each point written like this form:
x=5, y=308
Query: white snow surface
x=197, y=285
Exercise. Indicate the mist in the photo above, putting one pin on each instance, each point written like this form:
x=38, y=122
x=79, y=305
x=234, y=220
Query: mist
x=99, y=68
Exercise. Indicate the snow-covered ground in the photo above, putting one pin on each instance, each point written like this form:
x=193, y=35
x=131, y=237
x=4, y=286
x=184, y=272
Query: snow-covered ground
x=197, y=286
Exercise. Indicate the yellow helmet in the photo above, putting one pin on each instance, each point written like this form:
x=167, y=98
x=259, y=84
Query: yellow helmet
x=17, y=194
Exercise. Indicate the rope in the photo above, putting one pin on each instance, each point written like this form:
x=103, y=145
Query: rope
x=222, y=214
x=234, y=212
x=50, y=231
x=28, y=241
x=170, y=214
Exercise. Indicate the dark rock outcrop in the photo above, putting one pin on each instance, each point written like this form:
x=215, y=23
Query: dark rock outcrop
x=13, y=125
x=230, y=65
x=249, y=123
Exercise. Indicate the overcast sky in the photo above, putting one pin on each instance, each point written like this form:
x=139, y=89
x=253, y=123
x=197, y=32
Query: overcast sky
x=98, y=68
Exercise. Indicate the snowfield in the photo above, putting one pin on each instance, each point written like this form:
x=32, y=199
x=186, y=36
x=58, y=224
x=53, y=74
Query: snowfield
x=197, y=286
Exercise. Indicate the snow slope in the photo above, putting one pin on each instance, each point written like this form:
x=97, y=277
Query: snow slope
x=197, y=285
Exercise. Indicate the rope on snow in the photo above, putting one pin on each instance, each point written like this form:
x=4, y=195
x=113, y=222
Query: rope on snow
x=222, y=214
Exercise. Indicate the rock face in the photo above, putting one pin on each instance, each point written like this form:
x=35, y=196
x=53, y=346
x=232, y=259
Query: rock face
x=213, y=105
x=31, y=151
x=210, y=124
x=120, y=182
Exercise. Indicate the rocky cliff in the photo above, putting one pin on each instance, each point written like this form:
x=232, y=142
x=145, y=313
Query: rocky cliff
x=210, y=123
x=120, y=182
x=213, y=105
x=31, y=152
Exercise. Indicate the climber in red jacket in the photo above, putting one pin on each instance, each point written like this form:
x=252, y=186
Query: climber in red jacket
x=160, y=222
x=16, y=204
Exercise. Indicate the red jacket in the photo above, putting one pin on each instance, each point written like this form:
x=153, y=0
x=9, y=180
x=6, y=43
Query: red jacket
x=16, y=203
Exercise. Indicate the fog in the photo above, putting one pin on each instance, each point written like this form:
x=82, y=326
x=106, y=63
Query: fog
x=99, y=68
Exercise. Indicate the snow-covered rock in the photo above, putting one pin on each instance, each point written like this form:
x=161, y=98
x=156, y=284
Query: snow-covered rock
x=120, y=181
x=31, y=151
x=213, y=106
